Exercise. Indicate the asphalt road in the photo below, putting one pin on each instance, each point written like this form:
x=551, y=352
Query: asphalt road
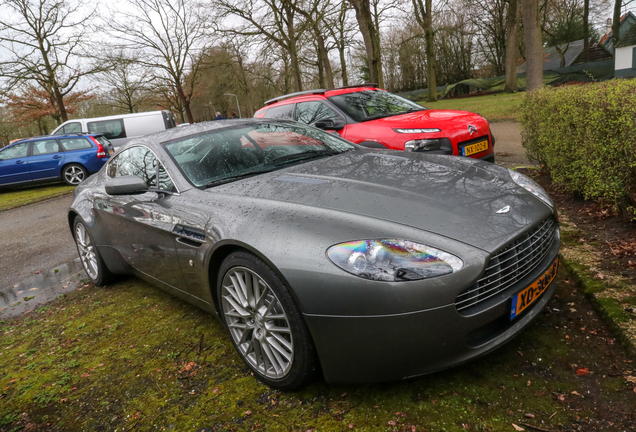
x=34, y=238
x=508, y=149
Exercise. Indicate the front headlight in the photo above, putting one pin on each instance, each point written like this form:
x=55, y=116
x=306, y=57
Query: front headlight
x=531, y=186
x=392, y=260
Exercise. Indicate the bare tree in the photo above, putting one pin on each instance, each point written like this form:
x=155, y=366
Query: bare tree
x=129, y=82
x=424, y=16
x=371, y=37
x=534, y=48
x=44, y=39
x=169, y=37
x=340, y=29
x=276, y=20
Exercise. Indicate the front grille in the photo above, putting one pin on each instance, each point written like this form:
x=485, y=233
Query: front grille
x=510, y=264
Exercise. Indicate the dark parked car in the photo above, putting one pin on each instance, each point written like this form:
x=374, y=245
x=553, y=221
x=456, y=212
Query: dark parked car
x=70, y=158
x=377, y=265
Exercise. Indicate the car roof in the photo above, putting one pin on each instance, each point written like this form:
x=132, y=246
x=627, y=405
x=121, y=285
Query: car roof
x=67, y=135
x=320, y=92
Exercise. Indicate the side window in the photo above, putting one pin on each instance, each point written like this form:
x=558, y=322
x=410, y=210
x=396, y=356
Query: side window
x=74, y=127
x=280, y=112
x=310, y=112
x=164, y=180
x=15, y=152
x=112, y=129
x=139, y=161
x=70, y=144
x=45, y=147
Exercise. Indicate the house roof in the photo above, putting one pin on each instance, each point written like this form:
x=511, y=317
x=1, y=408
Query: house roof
x=606, y=39
x=552, y=58
x=628, y=38
x=596, y=52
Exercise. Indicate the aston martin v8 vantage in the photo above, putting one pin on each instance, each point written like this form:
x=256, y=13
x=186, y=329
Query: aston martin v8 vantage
x=318, y=254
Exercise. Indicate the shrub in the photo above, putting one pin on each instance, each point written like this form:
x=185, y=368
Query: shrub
x=585, y=136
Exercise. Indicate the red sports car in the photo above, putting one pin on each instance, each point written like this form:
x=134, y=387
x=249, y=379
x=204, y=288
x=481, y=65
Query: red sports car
x=373, y=117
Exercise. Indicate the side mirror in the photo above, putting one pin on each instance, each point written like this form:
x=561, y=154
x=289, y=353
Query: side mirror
x=330, y=124
x=125, y=185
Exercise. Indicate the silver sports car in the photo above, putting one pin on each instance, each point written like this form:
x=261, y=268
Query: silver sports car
x=317, y=254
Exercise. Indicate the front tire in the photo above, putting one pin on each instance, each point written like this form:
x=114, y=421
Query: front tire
x=74, y=174
x=264, y=323
x=92, y=261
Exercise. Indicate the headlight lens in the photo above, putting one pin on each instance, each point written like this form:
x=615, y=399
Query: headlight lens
x=429, y=130
x=531, y=186
x=423, y=145
x=392, y=260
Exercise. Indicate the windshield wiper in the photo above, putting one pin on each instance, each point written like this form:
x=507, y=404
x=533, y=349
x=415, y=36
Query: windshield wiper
x=235, y=177
x=305, y=155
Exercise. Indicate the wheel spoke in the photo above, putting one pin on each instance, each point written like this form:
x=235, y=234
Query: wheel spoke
x=239, y=287
x=239, y=309
x=271, y=358
x=274, y=344
x=283, y=341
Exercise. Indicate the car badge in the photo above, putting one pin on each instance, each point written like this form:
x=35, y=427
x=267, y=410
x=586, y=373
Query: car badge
x=506, y=209
x=472, y=129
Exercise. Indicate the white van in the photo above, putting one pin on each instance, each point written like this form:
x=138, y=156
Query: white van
x=119, y=129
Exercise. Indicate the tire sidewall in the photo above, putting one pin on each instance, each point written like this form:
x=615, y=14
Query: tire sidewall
x=304, y=358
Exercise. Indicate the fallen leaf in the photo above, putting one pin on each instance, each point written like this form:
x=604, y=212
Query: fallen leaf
x=517, y=428
x=530, y=415
x=248, y=412
x=631, y=379
x=582, y=371
x=575, y=393
x=391, y=423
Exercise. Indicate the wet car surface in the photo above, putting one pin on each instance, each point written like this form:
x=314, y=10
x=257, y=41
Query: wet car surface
x=313, y=250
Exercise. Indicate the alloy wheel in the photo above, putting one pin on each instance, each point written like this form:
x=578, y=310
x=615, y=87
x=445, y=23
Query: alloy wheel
x=73, y=175
x=86, y=251
x=257, y=322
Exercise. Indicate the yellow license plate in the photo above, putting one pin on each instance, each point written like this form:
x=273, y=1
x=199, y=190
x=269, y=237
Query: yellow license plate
x=475, y=148
x=529, y=295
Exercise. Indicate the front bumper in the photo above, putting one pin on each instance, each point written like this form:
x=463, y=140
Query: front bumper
x=356, y=349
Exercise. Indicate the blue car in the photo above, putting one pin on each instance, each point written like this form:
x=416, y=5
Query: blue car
x=70, y=158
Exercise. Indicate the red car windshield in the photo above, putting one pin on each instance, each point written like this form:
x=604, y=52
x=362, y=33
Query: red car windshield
x=373, y=104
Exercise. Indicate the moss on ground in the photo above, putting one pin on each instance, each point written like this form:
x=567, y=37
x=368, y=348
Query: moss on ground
x=19, y=197
x=131, y=357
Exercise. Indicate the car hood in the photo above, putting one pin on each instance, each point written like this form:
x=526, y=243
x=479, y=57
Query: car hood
x=451, y=196
x=432, y=116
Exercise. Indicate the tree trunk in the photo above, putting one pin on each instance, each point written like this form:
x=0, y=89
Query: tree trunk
x=292, y=48
x=430, y=54
x=185, y=102
x=534, y=48
x=616, y=23
x=59, y=101
x=586, y=31
x=371, y=39
x=324, y=55
x=343, y=64
x=512, y=30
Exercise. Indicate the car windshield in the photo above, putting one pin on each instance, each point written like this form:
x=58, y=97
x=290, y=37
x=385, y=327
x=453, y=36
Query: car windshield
x=224, y=155
x=373, y=104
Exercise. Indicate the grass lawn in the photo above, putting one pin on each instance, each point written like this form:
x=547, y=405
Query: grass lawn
x=16, y=198
x=496, y=107
x=129, y=357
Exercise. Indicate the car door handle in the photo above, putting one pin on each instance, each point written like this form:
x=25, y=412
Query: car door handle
x=188, y=242
x=57, y=157
x=189, y=236
x=19, y=162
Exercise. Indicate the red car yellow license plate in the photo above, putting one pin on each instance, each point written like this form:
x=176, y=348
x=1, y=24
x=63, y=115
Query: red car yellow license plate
x=475, y=148
x=529, y=295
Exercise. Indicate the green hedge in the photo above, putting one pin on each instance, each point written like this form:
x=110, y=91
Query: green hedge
x=585, y=136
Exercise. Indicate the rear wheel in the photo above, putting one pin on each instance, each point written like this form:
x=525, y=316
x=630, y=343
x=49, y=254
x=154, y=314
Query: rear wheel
x=264, y=322
x=74, y=174
x=91, y=260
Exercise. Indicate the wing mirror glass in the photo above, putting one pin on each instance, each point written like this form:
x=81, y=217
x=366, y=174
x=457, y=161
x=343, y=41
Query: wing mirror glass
x=330, y=124
x=125, y=185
